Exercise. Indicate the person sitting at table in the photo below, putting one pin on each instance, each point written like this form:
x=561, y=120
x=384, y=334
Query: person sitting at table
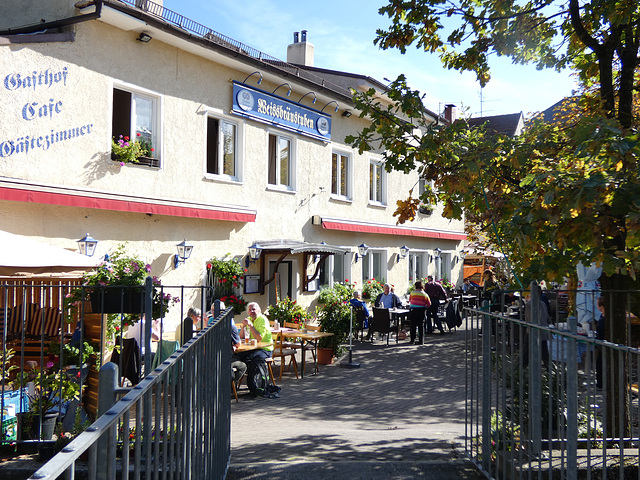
x=260, y=330
x=436, y=293
x=357, y=303
x=189, y=325
x=468, y=285
x=238, y=367
x=418, y=303
x=387, y=299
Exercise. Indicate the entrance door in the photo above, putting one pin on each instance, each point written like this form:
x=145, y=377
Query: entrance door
x=283, y=285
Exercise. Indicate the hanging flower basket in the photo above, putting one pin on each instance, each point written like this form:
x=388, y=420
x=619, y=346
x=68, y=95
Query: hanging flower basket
x=117, y=300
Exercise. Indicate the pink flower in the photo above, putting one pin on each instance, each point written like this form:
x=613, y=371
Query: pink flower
x=49, y=364
x=121, y=164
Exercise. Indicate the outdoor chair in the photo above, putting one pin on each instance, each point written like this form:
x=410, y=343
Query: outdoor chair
x=382, y=323
x=358, y=325
x=281, y=352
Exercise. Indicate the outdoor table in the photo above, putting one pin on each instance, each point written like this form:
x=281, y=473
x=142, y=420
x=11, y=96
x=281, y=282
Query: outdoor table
x=247, y=347
x=400, y=314
x=306, y=338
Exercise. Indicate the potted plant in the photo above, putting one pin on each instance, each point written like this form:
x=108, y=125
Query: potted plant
x=287, y=310
x=48, y=389
x=371, y=289
x=226, y=276
x=116, y=286
x=124, y=150
x=334, y=316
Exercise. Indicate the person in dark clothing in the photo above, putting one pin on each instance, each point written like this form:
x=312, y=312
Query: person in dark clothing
x=387, y=299
x=189, y=325
x=436, y=293
x=238, y=367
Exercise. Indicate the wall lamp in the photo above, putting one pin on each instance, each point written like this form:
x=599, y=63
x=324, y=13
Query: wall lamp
x=437, y=252
x=144, y=37
x=251, y=74
x=346, y=113
x=87, y=245
x=327, y=104
x=255, y=251
x=362, y=251
x=282, y=85
x=184, y=252
x=404, y=251
x=309, y=93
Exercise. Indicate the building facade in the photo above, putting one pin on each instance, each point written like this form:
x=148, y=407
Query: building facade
x=247, y=149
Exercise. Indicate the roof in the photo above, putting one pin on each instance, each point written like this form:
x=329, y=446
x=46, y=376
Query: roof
x=297, y=246
x=510, y=124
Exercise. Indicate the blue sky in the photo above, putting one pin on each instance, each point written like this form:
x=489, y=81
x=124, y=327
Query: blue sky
x=343, y=33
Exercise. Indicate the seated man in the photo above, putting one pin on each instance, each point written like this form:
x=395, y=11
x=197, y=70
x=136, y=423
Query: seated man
x=189, y=325
x=388, y=299
x=256, y=326
x=357, y=303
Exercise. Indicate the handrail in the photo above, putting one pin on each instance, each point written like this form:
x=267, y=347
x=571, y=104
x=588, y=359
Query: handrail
x=177, y=401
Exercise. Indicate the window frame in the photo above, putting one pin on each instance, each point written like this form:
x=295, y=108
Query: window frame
x=239, y=147
x=156, y=115
x=374, y=166
x=420, y=257
x=368, y=260
x=292, y=161
x=348, y=197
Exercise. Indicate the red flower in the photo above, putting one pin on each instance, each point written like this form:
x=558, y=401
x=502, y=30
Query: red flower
x=224, y=299
x=346, y=280
x=126, y=139
x=153, y=150
x=137, y=135
x=208, y=266
x=235, y=284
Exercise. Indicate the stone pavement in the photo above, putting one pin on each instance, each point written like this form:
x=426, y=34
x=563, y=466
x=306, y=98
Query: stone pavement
x=399, y=416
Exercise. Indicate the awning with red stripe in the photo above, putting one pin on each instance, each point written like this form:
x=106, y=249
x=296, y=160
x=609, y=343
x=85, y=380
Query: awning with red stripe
x=18, y=191
x=377, y=228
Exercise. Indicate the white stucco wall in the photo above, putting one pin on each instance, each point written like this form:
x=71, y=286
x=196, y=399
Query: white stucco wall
x=77, y=95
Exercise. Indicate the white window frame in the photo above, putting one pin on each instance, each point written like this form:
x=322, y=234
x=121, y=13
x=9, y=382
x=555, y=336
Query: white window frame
x=376, y=165
x=239, y=147
x=292, y=161
x=368, y=260
x=348, y=157
x=420, y=257
x=443, y=266
x=156, y=116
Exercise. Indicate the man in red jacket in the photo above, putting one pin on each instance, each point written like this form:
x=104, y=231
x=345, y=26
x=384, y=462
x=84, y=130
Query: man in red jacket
x=436, y=293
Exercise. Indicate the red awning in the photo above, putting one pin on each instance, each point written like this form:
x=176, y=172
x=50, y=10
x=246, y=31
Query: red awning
x=19, y=192
x=362, y=227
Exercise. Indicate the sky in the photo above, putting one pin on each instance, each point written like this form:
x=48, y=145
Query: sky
x=343, y=31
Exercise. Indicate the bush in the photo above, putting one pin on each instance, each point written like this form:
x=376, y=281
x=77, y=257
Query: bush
x=372, y=288
x=287, y=310
x=334, y=316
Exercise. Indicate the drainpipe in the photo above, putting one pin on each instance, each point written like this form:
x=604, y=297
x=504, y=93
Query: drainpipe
x=57, y=23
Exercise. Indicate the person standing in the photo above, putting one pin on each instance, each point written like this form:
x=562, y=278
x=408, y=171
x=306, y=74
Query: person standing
x=436, y=293
x=419, y=301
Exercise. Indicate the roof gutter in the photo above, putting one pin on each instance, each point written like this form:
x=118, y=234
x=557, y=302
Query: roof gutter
x=57, y=23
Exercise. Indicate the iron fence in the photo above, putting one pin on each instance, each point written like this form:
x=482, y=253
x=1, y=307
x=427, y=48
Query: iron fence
x=175, y=423
x=546, y=398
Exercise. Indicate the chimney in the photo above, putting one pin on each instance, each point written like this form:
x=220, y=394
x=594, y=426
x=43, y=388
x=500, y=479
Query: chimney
x=300, y=52
x=450, y=113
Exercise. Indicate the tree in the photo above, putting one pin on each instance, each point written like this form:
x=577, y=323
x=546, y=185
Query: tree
x=563, y=191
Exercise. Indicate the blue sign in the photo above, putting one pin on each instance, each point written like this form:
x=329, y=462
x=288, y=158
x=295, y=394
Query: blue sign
x=268, y=108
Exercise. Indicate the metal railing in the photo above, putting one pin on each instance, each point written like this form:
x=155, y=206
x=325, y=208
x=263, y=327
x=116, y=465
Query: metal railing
x=175, y=423
x=550, y=400
x=202, y=31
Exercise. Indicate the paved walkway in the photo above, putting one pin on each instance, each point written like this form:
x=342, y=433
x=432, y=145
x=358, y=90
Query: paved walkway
x=399, y=416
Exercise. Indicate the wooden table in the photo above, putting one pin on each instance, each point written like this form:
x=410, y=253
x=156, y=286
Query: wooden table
x=247, y=347
x=306, y=338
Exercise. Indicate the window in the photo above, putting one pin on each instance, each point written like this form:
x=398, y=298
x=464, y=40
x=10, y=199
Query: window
x=377, y=183
x=373, y=266
x=280, y=161
x=222, y=148
x=417, y=266
x=340, y=175
x=333, y=270
x=135, y=115
x=443, y=266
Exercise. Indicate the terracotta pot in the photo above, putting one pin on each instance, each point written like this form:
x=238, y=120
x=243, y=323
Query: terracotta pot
x=325, y=356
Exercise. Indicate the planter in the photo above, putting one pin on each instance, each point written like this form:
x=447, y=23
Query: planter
x=37, y=427
x=325, y=356
x=117, y=300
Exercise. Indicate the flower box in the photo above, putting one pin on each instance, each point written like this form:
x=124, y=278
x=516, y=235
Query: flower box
x=117, y=300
